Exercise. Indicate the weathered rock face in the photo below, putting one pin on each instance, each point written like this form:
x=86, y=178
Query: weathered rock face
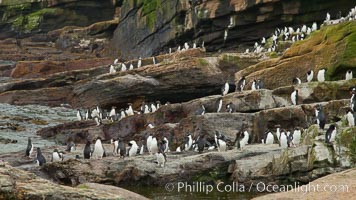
x=150, y=27
x=18, y=184
x=332, y=48
x=46, y=15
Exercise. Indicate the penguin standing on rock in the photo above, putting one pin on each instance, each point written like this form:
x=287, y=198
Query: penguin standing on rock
x=29, y=148
x=254, y=85
x=154, y=145
x=201, y=142
x=122, y=148
x=70, y=146
x=132, y=148
x=330, y=134
x=115, y=144
x=351, y=118
x=320, y=117
x=79, y=115
x=294, y=97
x=348, y=75
x=310, y=75
x=297, y=134
x=87, y=150
x=57, y=156
x=161, y=158
x=218, y=104
x=353, y=99
x=98, y=151
x=220, y=142
x=40, y=159
x=225, y=89
x=188, y=142
x=241, y=84
x=283, y=140
x=268, y=137
x=148, y=143
x=239, y=141
x=290, y=139
x=321, y=75
x=259, y=84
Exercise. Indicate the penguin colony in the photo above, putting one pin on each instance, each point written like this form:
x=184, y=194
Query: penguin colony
x=160, y=146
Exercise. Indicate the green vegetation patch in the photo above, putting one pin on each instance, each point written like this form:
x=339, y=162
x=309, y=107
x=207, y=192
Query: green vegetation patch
x=348, y=139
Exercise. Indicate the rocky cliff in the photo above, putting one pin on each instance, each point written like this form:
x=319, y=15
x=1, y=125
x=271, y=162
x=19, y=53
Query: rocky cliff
x=150, y=27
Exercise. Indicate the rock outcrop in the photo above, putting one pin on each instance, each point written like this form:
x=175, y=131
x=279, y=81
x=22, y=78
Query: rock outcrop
x=150, y=27
x=18, y=184
x=331, y=47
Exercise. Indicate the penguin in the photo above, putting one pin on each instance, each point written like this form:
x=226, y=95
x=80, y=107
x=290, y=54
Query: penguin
x=321, y=75
x=254, y=85
x=310, y=75
x=115, y=144
x=194, y=45
x=98, y=151
x=153, y=60
x=283, y=140
x=123, y=113
x=79, y=115
x=188, y=142
x=246, y=136
x=153, y=107
x=112, y=69
x=57, y=156
x=166, y=145
x=330, y=134
x=186, y=46
x=294, y=97
x=348, y=75
x=320, y=117
x=220, y=142
x=225, y=35
x=259, y=84
x=201, y=142
x=161, y=158
x=112, y=114
x=218, y=104
x=131, y=66
x=200, y=110
x=87, y=150
x=353, y=99
x=132, y=148
x=141, y=148
x=130, y=111
x=269, y=138
x=146, y=109
x=122, y=148
x=29, y=148
x=149, y=142
x=241, y=84
x=154, y=145
x=123, y=67
x=116, y=61
x=290, y=139
x=225, y=89
x=296, y=81
x=278, y=131
x=87, y=114
x=40, y=159
x=139, y=63
x=230, y=108
x=297, y=134
x=239, y=140
x=351, y=118
x=158, y=104
x=70, y=146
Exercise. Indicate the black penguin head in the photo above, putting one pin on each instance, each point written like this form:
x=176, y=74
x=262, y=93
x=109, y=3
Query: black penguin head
x=55, y=150
x=158, y=102
x=309, y=72
x=38, y=150
x=349, y=71
x=332, y=127
x=88, y=143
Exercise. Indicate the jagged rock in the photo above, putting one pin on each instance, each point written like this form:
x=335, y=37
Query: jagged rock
x=164, y=24
x=328, y=48
x=18, y=184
